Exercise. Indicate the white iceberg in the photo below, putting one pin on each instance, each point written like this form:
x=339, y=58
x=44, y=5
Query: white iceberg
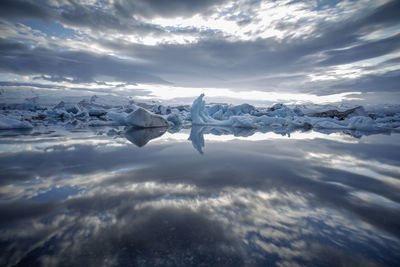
x=119, y=118
x=280, y=115
x=199, y=113
x=144, y=119
x=200, y=116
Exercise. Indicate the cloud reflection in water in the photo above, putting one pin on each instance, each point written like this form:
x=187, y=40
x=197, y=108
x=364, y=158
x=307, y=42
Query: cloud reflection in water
x=240, y=203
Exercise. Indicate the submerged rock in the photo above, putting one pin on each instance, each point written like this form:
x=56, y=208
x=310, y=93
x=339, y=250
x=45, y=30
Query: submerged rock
x=96, y=112
x=144, y=119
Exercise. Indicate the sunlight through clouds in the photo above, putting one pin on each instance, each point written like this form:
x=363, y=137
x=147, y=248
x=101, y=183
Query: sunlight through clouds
x=322, y=51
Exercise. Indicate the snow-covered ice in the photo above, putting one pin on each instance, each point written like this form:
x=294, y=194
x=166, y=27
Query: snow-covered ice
x=103, y=111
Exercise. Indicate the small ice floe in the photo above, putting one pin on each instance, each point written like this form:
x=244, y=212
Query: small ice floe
x=9, y=123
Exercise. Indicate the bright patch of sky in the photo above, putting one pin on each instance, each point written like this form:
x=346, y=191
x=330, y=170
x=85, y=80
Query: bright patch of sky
x=50, y=29
x=170, y=92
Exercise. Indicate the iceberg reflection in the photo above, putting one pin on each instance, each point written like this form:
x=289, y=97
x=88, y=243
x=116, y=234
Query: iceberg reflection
x=268, y=202
x=197, y=133
x=141, y=136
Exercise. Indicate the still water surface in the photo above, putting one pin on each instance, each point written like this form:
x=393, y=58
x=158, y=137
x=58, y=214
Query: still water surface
x=100, y=198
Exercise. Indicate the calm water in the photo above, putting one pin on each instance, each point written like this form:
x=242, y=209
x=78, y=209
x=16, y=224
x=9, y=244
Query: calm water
x=96, y=198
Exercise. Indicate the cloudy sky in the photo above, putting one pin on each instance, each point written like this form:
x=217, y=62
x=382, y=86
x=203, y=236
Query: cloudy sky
x=245, y=50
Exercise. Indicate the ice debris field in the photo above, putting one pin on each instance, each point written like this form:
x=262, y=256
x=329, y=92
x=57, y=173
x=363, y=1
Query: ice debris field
x=98, y=111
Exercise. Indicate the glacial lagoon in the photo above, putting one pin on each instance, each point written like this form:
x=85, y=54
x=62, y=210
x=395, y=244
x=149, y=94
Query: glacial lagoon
x=202, y=196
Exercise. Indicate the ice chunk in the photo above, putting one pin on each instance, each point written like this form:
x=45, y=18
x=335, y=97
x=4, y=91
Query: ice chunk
x=199, y=114
x=279, y=115
x=67, y=107
x=59, y=114
x=353, y=123
x=93, y=109
x=224, y=111
x=93, y=98
x=216, y=108
x=118, y=118
x=362, y=123
x=267, y=120
x=297, y=110
x=244, y=121
x=358, y=111
x=280, y=110
x=174, y=118
x=161, y=110
x=8, y=123
x=144, y=119
x=218, y=115
x=59, y=105
x=239, y=110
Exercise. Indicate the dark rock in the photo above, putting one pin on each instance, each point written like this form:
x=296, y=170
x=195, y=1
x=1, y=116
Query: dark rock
x=340, y=115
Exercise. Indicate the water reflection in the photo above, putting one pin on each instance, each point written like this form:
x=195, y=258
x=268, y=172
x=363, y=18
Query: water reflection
x=88, y=199
x=141, y=136
x=197, y=138
x=267, y=133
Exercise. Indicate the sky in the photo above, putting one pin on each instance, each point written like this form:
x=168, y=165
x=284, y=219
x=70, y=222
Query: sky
x=234, y=51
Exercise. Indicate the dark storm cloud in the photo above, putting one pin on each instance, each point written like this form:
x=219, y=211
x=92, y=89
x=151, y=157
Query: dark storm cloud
x=211, y=61
x=76, y=14
x=388, y=13
x=221, y=60
x=363, y=51
x=106, y=89
x=80, y=66
x=172, y=8
x=23, y=210
x=38, y=85
x=386, y=82
x=14, y=9
x=347, y=31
